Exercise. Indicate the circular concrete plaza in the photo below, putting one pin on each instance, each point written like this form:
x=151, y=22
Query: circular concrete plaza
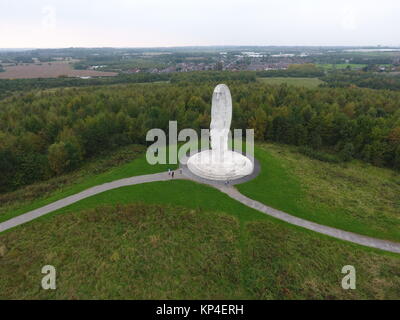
x=241, y=179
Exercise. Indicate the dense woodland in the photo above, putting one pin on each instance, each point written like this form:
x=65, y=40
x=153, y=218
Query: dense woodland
x=8, y=87
x=46, y=133
x=363, y=79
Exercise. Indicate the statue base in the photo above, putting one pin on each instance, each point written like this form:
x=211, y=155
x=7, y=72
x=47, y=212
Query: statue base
x=212, y=165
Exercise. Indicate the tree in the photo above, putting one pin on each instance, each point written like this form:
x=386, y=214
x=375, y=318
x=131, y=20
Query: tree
x=394, y=136
x=348, y=152
x=396, y=162
x=258, y=123
x=315, y=140
x=8, y=167
x=63, y=157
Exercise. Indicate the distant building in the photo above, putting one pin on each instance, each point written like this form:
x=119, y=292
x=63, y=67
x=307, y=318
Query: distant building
x=133, y=70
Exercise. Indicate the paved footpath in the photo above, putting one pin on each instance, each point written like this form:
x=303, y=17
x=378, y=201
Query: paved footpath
x=333, y=232
x=31, y=215
x=231, y=191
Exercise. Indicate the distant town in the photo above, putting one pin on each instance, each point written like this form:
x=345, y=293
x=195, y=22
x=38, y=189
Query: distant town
x=102, y=62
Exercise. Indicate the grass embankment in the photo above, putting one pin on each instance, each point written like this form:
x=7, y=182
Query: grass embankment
x=350, y=196
x=126, y=162
x=162, y=252
x=299, y=82
x=210, y=247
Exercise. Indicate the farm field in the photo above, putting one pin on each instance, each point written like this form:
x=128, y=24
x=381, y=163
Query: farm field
x=299, y=82
x=49, y=70
x=329, y=66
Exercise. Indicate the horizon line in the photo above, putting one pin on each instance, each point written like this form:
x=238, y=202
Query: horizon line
x=204, y=46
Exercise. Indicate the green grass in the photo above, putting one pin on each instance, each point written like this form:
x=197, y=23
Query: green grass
x=183, y=240
x=175, y=192
x=352, y=197
x=138, y=166
x=329, y=66
x=43, y=189
x=299, y=82
x=143, y=251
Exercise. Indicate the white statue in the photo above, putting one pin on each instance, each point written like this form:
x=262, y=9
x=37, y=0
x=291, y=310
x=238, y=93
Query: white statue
x=220, y=163
x=221, y=117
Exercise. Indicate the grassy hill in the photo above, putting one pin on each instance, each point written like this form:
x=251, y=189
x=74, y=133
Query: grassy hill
x=143, y=251
x=349, y=196
x=122, y=163
x=179, y=239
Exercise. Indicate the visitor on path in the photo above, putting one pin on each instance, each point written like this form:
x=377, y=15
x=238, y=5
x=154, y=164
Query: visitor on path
x=169, y=171
x=173, y=172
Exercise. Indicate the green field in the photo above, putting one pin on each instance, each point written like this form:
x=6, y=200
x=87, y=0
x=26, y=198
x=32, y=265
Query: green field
x=304, y=187
x=299, y=82
x=338, y=66
x=126, y=162
x=183, y=240
x=350, y=196
x=163, y=252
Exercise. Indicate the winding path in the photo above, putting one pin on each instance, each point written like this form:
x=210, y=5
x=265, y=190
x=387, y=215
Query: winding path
x=31, y=215
x=229, y=190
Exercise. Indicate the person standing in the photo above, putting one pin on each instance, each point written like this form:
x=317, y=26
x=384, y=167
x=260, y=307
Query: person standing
x=169, y=171
x=173, y=172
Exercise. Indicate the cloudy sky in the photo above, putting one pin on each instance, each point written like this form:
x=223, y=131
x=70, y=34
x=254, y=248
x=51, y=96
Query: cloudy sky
x=152, y=23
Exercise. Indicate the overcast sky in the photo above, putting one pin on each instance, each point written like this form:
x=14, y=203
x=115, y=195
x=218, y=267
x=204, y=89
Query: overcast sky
x=152, y=23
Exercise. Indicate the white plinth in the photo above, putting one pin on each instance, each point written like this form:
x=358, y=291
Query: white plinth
x=212, y=165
